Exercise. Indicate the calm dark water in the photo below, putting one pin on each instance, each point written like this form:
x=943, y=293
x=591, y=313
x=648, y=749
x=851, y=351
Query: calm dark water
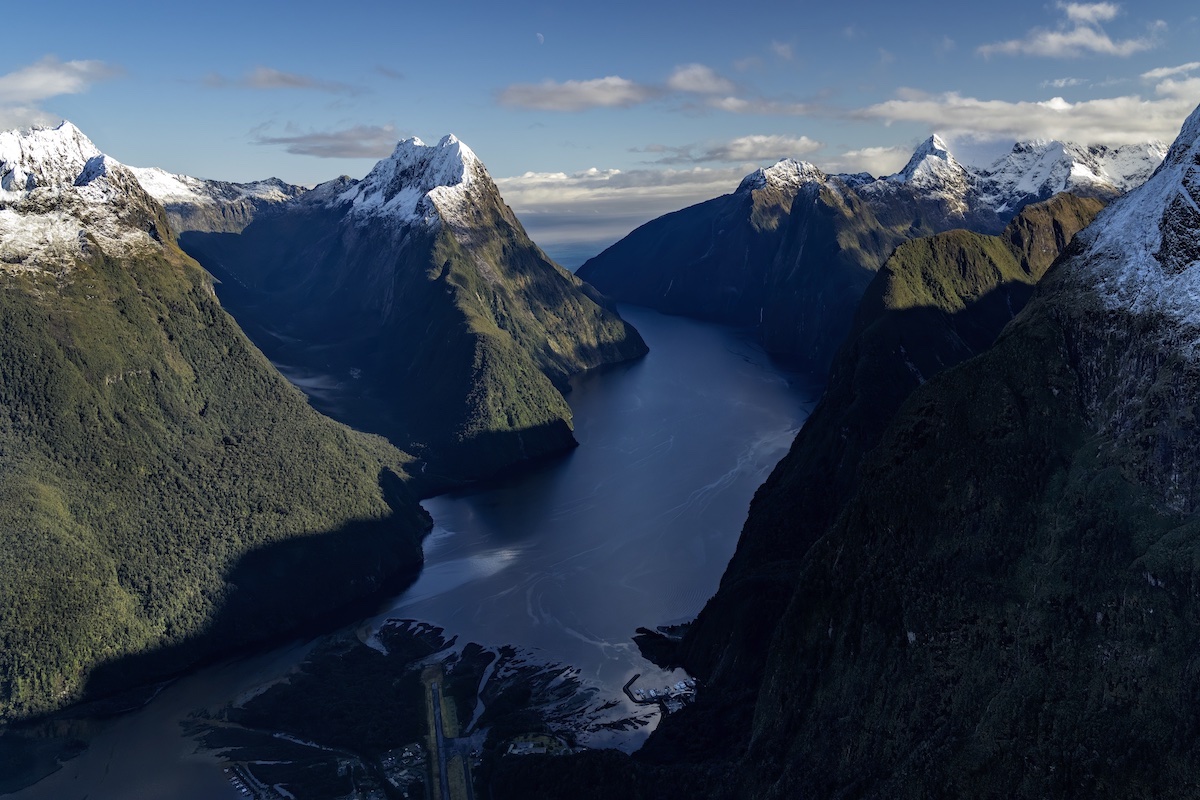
x=633, y=528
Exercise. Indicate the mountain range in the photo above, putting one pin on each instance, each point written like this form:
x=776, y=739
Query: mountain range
x=417, y=294
x=792, y=250
x=166, y=493
x=160, y=478
x=974, y=573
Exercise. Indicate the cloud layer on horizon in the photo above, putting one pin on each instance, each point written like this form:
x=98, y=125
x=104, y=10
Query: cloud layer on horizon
x=23, y=90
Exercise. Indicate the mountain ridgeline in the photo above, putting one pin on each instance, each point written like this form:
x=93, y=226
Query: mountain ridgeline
x=793, y=249
x=418, y=292
x=193, y=204
x=165, y=494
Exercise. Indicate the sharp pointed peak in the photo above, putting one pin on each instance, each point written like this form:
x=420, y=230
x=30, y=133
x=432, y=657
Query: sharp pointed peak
x=934, y=146
x=931, y=163
x=399, y=186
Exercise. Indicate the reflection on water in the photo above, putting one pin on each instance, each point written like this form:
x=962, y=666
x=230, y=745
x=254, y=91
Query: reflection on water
x=633, y=528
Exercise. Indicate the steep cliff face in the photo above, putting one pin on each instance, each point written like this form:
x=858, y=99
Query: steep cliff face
x=1006, y=605
x=790, y=252
x=937, y=302
x=418, y=288
x=159, y=478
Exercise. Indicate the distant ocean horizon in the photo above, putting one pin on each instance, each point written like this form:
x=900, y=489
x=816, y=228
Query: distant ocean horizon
x=572, y=255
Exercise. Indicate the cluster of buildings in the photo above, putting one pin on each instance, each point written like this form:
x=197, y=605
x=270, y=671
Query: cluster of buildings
x=405, y=766
x=669, y=698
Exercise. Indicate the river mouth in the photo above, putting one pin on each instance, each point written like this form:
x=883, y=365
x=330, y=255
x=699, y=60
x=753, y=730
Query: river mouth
x=562, y=563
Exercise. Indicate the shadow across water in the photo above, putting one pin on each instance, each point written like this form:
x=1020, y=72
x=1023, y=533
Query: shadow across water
x=296, y=588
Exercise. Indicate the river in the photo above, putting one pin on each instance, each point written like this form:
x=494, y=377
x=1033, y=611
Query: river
x=633, y=528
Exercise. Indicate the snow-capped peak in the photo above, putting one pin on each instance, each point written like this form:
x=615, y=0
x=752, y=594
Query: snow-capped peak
x=931, y=166
x=60, y=196
x=1038, y=169
x=34, y=157
x=417, y=181
x=1186, y=144
x=1142, y=253
x=786, y=173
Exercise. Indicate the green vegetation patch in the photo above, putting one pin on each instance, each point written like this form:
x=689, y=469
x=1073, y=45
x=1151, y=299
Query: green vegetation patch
x=149, y=449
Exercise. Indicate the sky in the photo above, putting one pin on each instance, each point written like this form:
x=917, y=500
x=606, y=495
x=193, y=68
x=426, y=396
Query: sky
x=594, y=118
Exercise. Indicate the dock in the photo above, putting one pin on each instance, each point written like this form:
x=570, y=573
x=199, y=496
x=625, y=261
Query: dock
x=670, y=698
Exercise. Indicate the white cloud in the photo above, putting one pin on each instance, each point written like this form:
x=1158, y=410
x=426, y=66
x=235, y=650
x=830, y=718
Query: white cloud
x=1080, y=34
x=23, y=90
x=605, y=204
x=757, y=105
x=1167, y=72
x=359, y=141
x=744, y=149
x=1114, y=120
x=269, y=78
x=50, y=77
x=1067, y=44
x=1090, y=13
x=699, y=79
x=875, y=160
x=765, y=147
x=1184, y=92
x=783, y=50
x=612, y=91
x=1064, y=83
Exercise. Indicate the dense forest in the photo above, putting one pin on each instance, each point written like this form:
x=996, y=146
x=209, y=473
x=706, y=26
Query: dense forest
x=158, y=475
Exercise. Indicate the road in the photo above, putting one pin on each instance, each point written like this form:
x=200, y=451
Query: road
x=443, y=777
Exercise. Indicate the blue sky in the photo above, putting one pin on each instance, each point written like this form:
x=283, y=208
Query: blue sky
x=594, y=118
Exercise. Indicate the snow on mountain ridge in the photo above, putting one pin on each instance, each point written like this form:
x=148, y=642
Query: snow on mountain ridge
x=42, y=156
x=787, y=173
x=1032, y=171
x=1142, y=254
x=932, y=172
x=167, y=187
x=932, y=167
x=417, y=182
x=1039, y=169
x=60, y=197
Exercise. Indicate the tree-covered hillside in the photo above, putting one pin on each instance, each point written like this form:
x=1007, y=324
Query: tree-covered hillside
x=149, y=453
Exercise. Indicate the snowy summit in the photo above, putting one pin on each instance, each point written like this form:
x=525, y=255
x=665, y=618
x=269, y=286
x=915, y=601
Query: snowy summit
x=787, y=174
x=418, y=182
x=931, y=167
x=1142, y=254
x=60, y=197
x=1039, y=169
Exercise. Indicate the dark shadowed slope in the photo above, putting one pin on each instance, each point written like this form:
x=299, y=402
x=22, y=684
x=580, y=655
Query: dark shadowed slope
x=150, y=450
x=418, y=289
